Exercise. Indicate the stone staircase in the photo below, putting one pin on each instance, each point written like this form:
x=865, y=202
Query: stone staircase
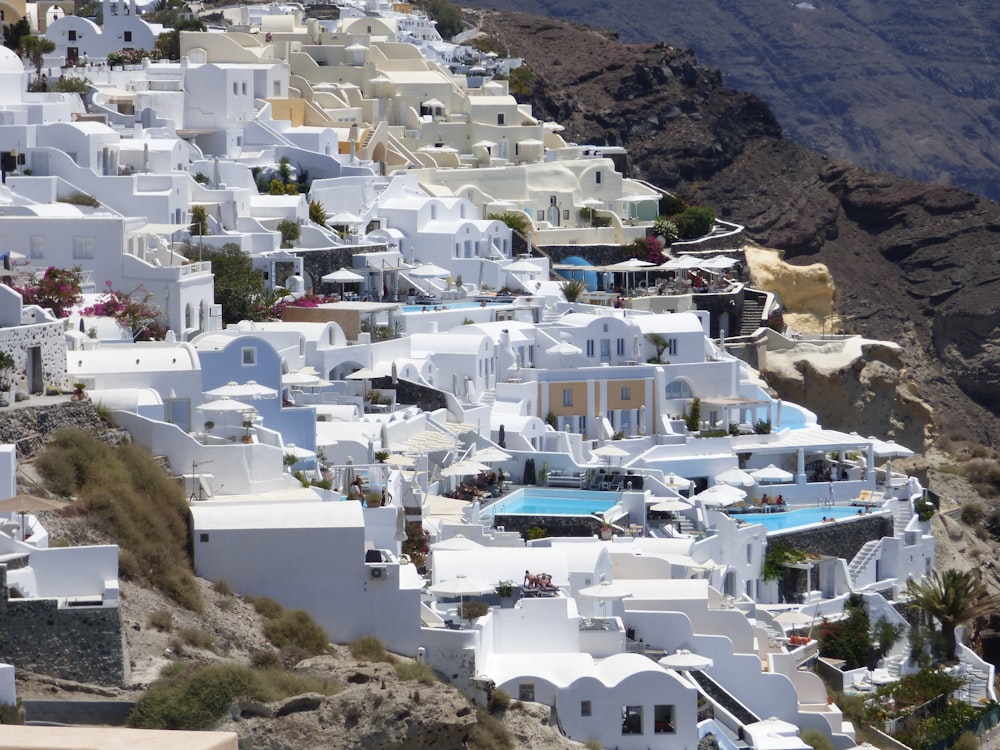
x=902, y=517
x=750, y=322
x=862, y=559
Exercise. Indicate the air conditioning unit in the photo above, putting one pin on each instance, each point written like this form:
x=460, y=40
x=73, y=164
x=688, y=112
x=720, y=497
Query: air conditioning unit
x=377, y=571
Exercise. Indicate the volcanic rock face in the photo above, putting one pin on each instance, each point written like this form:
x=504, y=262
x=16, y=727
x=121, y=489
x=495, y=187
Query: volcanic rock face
x=913, y=263
x=908, y=88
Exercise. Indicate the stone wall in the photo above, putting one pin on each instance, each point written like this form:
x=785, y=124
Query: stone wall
x=48, y=339
x=317, y=264
x=841, y=539
x=408, y=392
x=84, y=644
x=585, y=526
x=28, y=427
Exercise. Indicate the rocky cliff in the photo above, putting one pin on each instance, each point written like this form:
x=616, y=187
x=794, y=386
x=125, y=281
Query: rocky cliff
x=905, y=88
x=913, y=263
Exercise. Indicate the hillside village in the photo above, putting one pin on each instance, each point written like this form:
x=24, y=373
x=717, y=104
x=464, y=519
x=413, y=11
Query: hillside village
x=503, y=414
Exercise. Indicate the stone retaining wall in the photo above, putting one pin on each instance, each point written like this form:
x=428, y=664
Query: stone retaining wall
x=842, y=539
x=84, y=644
x=28, y=427
x=583, y=526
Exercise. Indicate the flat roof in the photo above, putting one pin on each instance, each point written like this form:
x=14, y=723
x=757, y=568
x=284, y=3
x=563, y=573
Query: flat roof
x=210, y=516
x=17, y=737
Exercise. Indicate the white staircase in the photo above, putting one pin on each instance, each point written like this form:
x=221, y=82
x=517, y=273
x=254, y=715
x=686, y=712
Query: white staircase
x=861, y=560
x=902, y=517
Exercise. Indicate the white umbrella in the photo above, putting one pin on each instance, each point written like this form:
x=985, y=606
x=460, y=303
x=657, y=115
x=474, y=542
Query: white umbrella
x=298, y=378
x=590, y=203
x=490, y=455
x=676, y=482
x=460, y=586
x=718, y=262
x=683, y=660
x=342, y=276
x=225, y=404
x=522, y=266
x=793, y=618
x=250, y=389
x=720, y=495
x=605, y=591
x=291, y=449
x=632, y=264
x=429, y=271
x=670, y=505
x=772, y=474
x=681, y=263
x=457, y=542
x=736, y=478
x=464, y=468
x=432, y=104
x=380, y=370
x=609, y=452
x=564, y=348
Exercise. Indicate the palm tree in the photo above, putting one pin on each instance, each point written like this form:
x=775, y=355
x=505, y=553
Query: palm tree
x=952, y=598
x=573, y=289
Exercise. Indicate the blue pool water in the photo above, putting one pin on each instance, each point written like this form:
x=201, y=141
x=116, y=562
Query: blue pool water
x=794, y=518
x=553, y=503
x=449, y=306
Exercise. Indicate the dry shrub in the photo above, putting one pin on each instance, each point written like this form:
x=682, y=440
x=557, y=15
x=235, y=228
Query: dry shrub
x=127, y=495
x=222, y=587
x=984, y=475
x=276, y=683
x=261, y=659
x=415, y=670
x=499, y=700
x=368, y=648
x=297, y=631
x=488, y=733
x=162, y=620
x=197, y=638
x=266, y=607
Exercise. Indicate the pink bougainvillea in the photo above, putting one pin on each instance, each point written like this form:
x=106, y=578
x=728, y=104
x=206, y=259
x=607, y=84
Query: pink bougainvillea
x=133, y=313
x=57, y=289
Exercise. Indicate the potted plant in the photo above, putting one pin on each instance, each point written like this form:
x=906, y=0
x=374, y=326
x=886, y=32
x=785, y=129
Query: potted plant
x=247, y=424
x=289, y=460
x=209, y=426
x=505, y=590
x=607, y=531
x=381, y=456
x=78, y=392
x=51, y=389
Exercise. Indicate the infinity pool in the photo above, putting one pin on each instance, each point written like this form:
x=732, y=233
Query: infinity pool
x=449, y=306
x=793, y=519
x=541, y=502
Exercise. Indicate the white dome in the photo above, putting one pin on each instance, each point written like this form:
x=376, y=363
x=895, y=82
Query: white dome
x=10, y=62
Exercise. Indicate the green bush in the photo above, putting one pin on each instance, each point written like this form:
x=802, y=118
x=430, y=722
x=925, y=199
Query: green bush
x=516, y=220
x=409, y=671
x=696, y=221
x=966, y=741
x=368, y=648
x=489, y=732
x=296, y=629
x=127, y=495
x=266, y=607
x=816, y=739
x=474, y=609
x=195, y=697
x=671, y=205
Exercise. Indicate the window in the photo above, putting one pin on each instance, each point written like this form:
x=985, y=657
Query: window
x=72, y=35
x=277, y=88
x=621, y=347
x=128, y=36
x=36, y=248
x=526, y=691
x=679, y=389
x=540, y=216
x=243, y=88
x=249, y=355
x=567, y=396
x=597, y=177
x=590, y=347
x=663, y=720
x=626, y=393
x=585, y=709
x=750, y=552
x=631, y=719
x=203, y=537
x=236, y=88
x=565, y=214
x=83, y=248
x=500, y=119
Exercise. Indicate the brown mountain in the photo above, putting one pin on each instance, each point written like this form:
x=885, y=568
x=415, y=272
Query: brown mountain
x=909, y=88
x=914, y=263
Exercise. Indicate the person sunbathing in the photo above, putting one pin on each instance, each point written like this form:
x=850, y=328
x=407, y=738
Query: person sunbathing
x=531, y=580
x=545, y=582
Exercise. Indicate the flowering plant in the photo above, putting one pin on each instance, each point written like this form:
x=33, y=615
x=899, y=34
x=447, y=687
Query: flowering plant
x=135, y=316
x=57, y=289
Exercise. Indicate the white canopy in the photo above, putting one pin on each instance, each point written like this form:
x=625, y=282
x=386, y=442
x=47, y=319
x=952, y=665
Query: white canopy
x=342, y=276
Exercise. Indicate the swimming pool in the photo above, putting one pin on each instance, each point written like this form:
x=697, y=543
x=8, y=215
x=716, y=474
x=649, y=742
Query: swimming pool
x=793, y=519
x=449, y=306
x=542, y=502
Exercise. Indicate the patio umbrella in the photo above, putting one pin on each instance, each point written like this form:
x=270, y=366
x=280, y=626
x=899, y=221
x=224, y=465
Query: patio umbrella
x=457, y=542
x=720, y=495
x=464, y=469
x=428, y=271
x=671, y=505
x=342, y=276
x=736, y=478
x=489, y=455
x=299, y=378
x=523, y=266
x=564, y=348
x=24, y=504
x=604, y=592
x=460, y=586
x=683, y=660
x=772, y=474
x=793, y=618
x=225, y=404
x=250, y=389
x=675, y=482
x=300, y=454
x=681, y=263
x=609, y=452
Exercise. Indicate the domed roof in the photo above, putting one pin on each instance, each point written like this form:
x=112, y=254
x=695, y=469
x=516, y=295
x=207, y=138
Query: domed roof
x=10, y=62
